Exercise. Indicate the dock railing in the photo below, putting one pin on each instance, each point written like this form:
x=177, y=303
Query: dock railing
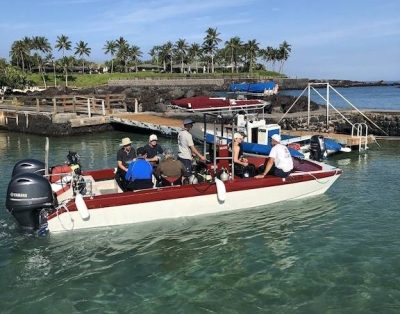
x=361, y=129
x=82, y=105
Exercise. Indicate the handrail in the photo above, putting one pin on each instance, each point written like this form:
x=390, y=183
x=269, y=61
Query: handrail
x=360, y=127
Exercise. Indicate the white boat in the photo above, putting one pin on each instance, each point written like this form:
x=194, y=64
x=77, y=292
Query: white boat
x=65, y=201
x=248, y=118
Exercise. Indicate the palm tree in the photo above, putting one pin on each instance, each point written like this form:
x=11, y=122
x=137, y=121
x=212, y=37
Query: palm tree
x=194, y=53
x=251, y=48
x=284, y=51
x=81, y=49
x=41, y=45
x=268, y=55
x=50, y=58
x=210, y=44
x=234, y=45
x=181, y=48
x=123, y=52
x=29, y=46
x=134, y=54
x=166, y=54
x=67, y=62
x=63, y=43
x=19, y=52
x=155, y=54
x=111, y=48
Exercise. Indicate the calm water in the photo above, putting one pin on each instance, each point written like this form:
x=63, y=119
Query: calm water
x=375, y=97
x=336, y=253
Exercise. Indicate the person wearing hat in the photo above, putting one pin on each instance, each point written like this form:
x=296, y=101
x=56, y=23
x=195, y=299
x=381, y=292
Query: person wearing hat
x=186, y=147
x=280, y=162
x=125, y=155
x=169, y=170
x=140, y=172
x=242, y=167
x=153, y=150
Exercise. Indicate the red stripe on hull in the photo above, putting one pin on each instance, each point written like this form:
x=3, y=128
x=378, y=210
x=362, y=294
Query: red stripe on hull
x=176, y=192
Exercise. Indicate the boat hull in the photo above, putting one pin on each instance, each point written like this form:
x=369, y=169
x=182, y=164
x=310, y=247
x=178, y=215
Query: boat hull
x=175, y=204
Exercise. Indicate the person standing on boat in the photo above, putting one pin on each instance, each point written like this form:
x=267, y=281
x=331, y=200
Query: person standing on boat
x=280, y=162
x=186, y=147
x=153, y=150
x=140, y=172
x=125, y=155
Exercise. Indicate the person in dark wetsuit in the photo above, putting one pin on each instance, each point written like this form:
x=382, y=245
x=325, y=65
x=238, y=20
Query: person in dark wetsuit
x=125, y=155
x=153, y=150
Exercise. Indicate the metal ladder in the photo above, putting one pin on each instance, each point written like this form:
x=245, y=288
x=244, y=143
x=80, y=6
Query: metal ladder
x=359, y=128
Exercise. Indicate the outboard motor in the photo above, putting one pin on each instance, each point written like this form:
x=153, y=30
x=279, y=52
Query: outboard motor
x=317, y=147
x=29, y=166
x=29, y=197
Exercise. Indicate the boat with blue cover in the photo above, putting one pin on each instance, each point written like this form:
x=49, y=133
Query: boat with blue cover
x=266, y=88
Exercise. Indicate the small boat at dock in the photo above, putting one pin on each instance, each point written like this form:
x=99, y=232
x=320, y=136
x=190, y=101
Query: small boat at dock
x=204, y=103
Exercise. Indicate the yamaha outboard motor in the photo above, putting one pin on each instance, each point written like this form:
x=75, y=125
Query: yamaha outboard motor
x=29, y=166
x=317, y=147
x=29, y=197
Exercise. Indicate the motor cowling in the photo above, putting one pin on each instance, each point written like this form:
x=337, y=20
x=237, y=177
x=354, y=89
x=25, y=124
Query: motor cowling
x=29, y=166
x=317, y=147
x=27, y=195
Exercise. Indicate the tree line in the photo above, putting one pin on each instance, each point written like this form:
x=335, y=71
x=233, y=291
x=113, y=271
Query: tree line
x=36, y=53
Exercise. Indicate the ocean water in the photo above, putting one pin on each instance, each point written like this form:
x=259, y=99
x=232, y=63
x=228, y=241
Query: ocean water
x=374, y=97
x=335, y=253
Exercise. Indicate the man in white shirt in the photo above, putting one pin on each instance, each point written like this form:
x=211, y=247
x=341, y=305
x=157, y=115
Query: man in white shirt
x=187, y=148
x=280, y=162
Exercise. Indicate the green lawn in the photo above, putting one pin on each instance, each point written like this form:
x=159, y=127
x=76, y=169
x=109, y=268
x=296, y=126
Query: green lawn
x=92, y=80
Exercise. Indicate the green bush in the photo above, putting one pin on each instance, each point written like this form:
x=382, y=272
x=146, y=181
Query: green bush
x=13, y=77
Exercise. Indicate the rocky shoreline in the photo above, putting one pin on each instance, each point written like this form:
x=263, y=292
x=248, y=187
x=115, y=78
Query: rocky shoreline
x=157, y=99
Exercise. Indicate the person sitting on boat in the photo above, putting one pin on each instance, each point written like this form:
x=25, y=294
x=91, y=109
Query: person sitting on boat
x=242, y=167
x=186, y=147
x=125, y=155
x=154, y=151
x=170, y=170
x=140, y=172
x=280, y=162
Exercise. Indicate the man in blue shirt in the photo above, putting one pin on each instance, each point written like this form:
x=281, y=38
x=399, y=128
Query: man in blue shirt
x=140, y=172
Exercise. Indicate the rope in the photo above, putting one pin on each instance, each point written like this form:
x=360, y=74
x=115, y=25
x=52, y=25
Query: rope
x=58, y=216
x=318, y=180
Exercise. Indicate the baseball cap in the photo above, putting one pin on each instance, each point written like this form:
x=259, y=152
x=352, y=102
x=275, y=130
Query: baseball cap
x=276, y=137
x=188, y=121
x=153, y=137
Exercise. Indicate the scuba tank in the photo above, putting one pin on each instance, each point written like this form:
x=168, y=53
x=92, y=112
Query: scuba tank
x=224, y=176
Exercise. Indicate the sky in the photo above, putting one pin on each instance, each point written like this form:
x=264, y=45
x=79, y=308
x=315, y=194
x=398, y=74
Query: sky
x=355, y=40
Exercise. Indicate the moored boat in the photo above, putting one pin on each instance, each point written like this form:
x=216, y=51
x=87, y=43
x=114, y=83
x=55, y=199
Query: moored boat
x=204, y=103
x=262, y=88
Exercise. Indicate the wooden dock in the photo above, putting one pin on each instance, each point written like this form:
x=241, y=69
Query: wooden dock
x=151, y=122
x=344, y=139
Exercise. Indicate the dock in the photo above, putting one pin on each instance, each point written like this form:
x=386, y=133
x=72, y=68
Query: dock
x=344, y=139
x=64, y=115
x=147, y=121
